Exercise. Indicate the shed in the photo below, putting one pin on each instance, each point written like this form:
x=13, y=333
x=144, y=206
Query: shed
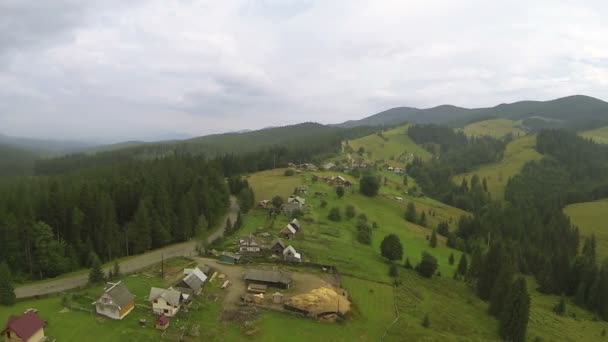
x=229, y=258
x=277, y=298
x=257, y=288
x=116, y=302
x=162, y=323
x=270, y=278
x=277, y=246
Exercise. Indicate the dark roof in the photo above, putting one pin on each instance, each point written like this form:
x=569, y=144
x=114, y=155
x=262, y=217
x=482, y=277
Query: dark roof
x=206, y=269
x=279, y=241
x=268, y=276
x=26, y=325
x=162, y=320
x=120, y=294
x=231, y=255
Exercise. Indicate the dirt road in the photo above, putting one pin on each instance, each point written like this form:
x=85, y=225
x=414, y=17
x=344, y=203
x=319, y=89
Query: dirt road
x=129, y=265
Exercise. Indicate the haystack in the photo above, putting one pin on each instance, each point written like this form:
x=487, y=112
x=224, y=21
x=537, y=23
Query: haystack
x=321, y=301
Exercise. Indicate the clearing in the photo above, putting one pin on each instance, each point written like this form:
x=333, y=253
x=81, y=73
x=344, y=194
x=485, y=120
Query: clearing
x=517, y=154
x=590, y=218
x=497, y=128
x=599, y=135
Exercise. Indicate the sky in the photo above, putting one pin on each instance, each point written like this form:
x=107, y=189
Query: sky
x=113, y=70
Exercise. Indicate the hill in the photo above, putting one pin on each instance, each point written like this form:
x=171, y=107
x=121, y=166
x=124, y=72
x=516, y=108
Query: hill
x=517, y=154
x=50, y=146
x=15, y=161
x=599, y=135
x=573, y=112
x=494, y=127
x=390, y=147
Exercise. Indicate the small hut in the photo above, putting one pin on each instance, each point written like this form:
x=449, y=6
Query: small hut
x=162, y=323
x=277, y=298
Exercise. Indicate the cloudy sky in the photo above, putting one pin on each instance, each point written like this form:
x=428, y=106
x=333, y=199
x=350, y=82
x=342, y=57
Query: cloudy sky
x=112, y=70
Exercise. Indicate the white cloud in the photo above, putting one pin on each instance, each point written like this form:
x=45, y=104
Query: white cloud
x=108, y=70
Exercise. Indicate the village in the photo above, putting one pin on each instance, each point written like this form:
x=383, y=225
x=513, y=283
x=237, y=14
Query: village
x=258, y=271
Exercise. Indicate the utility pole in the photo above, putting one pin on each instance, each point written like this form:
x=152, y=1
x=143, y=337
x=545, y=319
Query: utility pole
x=162, y=265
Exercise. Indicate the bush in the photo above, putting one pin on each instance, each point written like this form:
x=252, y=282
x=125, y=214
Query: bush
x=369, y=185
x=427, y=266
x=364, y=233
x=407, y=264
x=277, y=201
x=392, y=271
x=340, y=191
x=334, y=214
x=350, y=211
x=426, y=322
x=323, y=203
x=289, y=172
x=391, y=247
x=443, y=229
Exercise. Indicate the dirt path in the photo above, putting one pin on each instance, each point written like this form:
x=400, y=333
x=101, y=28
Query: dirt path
x=129, y=265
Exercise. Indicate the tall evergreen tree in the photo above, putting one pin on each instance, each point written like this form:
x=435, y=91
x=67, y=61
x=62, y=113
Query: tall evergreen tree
x=7, y=291
x=433, y=239
x=501, y=288
x=487, y=276
x=514, y=318
x=410, y=212
x=96, y=274
x=391, y=247
x=461, y=270
x=141, y=232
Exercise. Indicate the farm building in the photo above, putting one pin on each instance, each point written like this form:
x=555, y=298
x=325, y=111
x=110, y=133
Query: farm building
x=290, y=254
x=276, y=279
x=329, y=166
x=162, y=323
x=249, y=244
x=301, y=190
x=229, y=258
x=166, y=302
x=277, y=246
x=208, y=270
x=293, y=203
x=296, y=224
x=203, y=271
x=194, y=281
x=264, y=204
x=25, y=328
x=116, y=301
x=289, y=232
x=257, y=288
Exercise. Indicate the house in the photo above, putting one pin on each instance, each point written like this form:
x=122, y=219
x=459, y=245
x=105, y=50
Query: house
x=390, y=168
x=206, y=269
x=277, y=246
x=338, y=181
x=229, y=258
x=162, y=323
x=329, y=166
x=194, y=281
x=249, y=244
x=293, y=203
x=295, y=223
x=290, y=254
x=277, y=298
x=398, y=170
x=270, y=278
x=296, y=199
x=116, y=301
x=166, y=302
x=302, y=189
x=25, y=328
x=289, y=232
x=264, y=204
x=187, y=293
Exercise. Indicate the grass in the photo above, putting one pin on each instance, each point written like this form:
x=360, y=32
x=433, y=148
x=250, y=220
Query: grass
x=392, y=151
x=267, y=184
x=517, y=154
x=589, y=217
x=495, y=127
x=80, y=326
x=599, y=135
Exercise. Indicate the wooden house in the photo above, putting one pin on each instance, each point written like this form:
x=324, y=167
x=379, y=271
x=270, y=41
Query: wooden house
x=25, y=328
x=290, y=254
x=165, y=302
x=269, y=278
x=277, y=246
x=249, y=244
x=229, y=258
x=116, y=301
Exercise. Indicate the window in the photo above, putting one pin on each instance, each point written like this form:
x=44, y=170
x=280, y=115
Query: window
x=166, y=310
x=156, y=301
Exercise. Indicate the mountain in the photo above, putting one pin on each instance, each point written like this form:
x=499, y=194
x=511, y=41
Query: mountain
x=15, y=161
x=49, y=146
x=576, y=112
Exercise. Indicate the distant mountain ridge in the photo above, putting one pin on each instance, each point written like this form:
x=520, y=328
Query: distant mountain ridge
x=577, y=112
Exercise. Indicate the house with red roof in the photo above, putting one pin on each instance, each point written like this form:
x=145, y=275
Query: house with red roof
x=25, y=328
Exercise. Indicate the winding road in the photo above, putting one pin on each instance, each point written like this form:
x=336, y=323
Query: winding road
x=129, y=265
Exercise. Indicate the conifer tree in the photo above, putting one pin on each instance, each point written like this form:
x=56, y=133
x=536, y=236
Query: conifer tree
x=7, y=291
x=433, y=240
x=426, y=322
x=391, y=247
x=514, y=318
x=96, y=274
x=501, y=289
x=451, y=259
x=116, y=270
x=410, y=212
x=461, y=270
x=141, y=229
x=340, y=191
x=407, y=264
x=488, y=272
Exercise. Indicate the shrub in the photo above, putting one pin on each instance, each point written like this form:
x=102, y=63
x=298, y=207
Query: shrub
x=323, y=203
x=340, y=191
x=350, y=211
x=364, y=233
x=391, y=247
x=334, y=214
x=369, y=185
x=392, y=271
x=443, y=229
x=426, y=322
x=407, y=264
x=289, y=172
x=427, y=266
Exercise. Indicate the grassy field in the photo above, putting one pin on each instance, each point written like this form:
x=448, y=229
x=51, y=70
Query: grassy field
x=517, y=154
x=66, y=325
x=267, y=184
x=391, y=151
x=495, y=127
x=599, y=135
x=590, y=218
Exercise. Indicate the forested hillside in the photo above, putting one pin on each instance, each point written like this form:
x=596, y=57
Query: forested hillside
x=16, y=161
x=53, y=225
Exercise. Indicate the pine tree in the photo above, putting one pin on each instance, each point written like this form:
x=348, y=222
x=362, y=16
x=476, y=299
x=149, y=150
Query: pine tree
x=116, y=270
x=501, y=288
x=433, y=240
x=451, y=259
x=340, y=191
x=410, y=212
x=96, y=274
x=560, y=307
x=141, y=229
x=228, y=227
x=407, y=264
x=422, y=221
x=426, y=322
x=7, y=291
x=391, y=247
x=461, y=270
x=487, y=276
x=514, y=319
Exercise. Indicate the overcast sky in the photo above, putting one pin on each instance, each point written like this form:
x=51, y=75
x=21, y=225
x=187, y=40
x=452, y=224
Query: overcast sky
x=113, y=70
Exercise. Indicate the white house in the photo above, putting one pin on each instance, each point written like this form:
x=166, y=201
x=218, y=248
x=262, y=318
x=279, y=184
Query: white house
x=116, y=301
x=290, y=254
x=165, y=301
x=289, y=232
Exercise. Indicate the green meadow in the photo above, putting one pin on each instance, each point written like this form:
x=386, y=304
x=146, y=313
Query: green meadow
x=497, y=128
x=517, y=154
x=599, y=135
x=590, y=218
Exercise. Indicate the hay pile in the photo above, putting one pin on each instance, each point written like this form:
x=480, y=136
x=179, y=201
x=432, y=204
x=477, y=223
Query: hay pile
x=321, y=300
